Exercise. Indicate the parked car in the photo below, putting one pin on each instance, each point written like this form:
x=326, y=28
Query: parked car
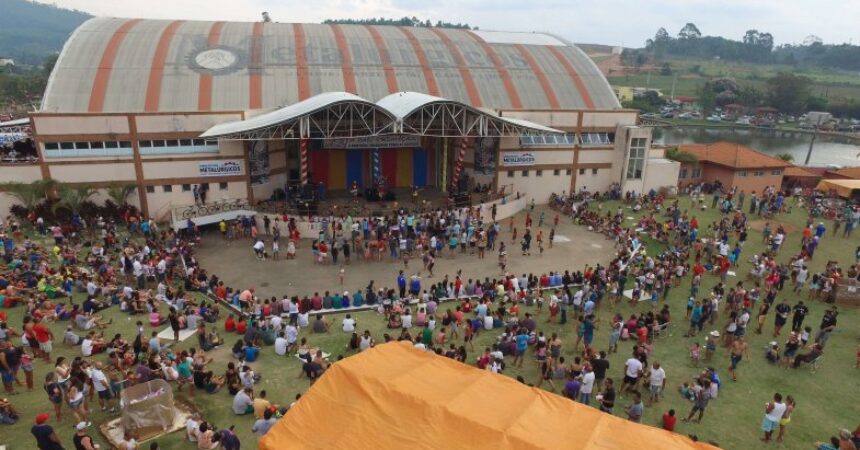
x=649, y=116
x=668, y=115
x=714, y=118
x=743, y=121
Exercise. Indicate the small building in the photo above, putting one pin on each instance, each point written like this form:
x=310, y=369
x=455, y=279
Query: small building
x=818, y=117
x=796, y=176
x=734, y=165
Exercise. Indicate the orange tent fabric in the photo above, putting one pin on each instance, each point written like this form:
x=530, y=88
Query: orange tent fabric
x=395, y=396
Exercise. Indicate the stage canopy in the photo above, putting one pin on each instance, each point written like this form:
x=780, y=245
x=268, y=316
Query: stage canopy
x=345, y=115
x=843, y=188
x=395, y=396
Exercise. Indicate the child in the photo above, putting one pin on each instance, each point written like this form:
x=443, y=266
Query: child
x=276, y=250
x=552, y=234
x=669, y=420
x=27, y=366
x=694, y=354
x=342, y=274
x=804, y=335
x=711, y=344
x=291, y=249
x=687, y=392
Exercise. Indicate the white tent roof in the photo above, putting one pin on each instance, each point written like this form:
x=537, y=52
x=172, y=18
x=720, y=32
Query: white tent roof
x=289, y=113
x=397, y=107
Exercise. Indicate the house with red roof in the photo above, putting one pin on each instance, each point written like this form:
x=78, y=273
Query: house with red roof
x=734, y=165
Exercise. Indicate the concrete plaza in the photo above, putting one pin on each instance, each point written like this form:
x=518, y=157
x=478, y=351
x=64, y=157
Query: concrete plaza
x=235, y=264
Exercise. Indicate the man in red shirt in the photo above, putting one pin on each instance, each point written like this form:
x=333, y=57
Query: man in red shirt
x=669, y=420
x=44, y=337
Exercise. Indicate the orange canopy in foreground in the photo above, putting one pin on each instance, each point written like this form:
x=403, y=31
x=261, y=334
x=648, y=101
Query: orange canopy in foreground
x=397, y=397
x=843, y=188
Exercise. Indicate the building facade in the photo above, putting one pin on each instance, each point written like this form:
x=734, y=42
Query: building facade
x=733, y=165
x=129, y=99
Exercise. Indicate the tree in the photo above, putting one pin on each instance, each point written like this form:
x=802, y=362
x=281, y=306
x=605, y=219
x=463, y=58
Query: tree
x=72, y=198
x=676, y=154
x=788, y=92
x=662, y=36
x=119, y=193
x=751, y=37
x=29, y=195
x=749, y=96
x=707, y=97
x=787, y=157
x=690, y=31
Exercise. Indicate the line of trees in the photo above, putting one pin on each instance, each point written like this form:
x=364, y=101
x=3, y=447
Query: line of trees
x=57, y=202
x=755, y=47
x=402, y=22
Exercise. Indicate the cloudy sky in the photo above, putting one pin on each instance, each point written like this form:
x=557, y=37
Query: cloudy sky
x=616, y=22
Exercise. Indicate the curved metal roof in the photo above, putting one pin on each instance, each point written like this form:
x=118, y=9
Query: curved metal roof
x=134, y=65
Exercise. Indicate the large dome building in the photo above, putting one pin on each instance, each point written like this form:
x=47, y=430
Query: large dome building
x=248, y=108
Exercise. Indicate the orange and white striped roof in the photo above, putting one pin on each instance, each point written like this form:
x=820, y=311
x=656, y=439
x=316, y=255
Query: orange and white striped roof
x=134, y=65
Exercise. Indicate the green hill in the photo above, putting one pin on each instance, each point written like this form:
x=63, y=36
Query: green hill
x=31, y=31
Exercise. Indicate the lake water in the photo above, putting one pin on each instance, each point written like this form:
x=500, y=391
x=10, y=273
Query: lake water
x=827, y=150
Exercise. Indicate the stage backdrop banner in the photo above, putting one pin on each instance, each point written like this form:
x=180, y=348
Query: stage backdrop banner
x=337, y=169
x=515, y=159
x=392, y=141
x=355, y=167
x=220, y=168
x=419, y=167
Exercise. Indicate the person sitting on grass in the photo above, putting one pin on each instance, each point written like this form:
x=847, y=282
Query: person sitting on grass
x=243, y=402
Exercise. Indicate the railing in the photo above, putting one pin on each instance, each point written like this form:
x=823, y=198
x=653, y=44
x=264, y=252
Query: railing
x=208, y=209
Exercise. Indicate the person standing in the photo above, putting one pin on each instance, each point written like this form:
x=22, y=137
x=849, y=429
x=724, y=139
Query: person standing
x=82, y=439
x=46, y=438
x=587, y=385
x=773, y=412
x=828, y=324
x=636, y=409
x=702, y=392
x=800, y=312
x=738, y=350
x=786, y=417
x=658, y=382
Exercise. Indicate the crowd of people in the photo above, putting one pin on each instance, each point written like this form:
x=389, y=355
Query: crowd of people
x=142, y=271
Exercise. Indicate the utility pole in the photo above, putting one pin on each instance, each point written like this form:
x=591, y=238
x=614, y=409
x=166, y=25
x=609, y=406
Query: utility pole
x=812, y=142
x=672, y=94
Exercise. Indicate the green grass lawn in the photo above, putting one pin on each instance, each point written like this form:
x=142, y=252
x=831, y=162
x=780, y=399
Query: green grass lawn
x=831, y=84
x=826, y=399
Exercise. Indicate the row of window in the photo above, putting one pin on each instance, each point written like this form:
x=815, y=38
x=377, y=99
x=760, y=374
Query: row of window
x=697, y=173
x=555, y=172
x=759, y=173
x=567, y=139
x=123, y=148
x=165, y=146
x=167, y=188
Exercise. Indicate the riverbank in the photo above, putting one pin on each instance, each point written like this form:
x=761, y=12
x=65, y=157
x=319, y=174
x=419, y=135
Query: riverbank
x=790, y=127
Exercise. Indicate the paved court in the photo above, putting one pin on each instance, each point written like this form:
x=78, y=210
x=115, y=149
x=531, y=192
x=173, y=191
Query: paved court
x=239, y=268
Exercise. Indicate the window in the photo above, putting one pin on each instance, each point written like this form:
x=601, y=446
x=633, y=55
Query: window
x=124, y=144
x=186, y=187
x=682, y=174
x=204, y=186
x=111, y=144
x=510, y=174
x=67, y=145
x=525, y=173
x=568, y=172
x=636, y=160
x=222, y=186
x=556, y=172
x=94, y=148
x=697, y=172
x=594, y=171
x=150, y=189
x=776, y=172
x=758, y=173
x=173, y=146
x=52, y=146
x=597, y=138
x=742, y=173
x=538, y=173
x=82, y=145
x=567, y=139
x=582, y=171
x=167, y=188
